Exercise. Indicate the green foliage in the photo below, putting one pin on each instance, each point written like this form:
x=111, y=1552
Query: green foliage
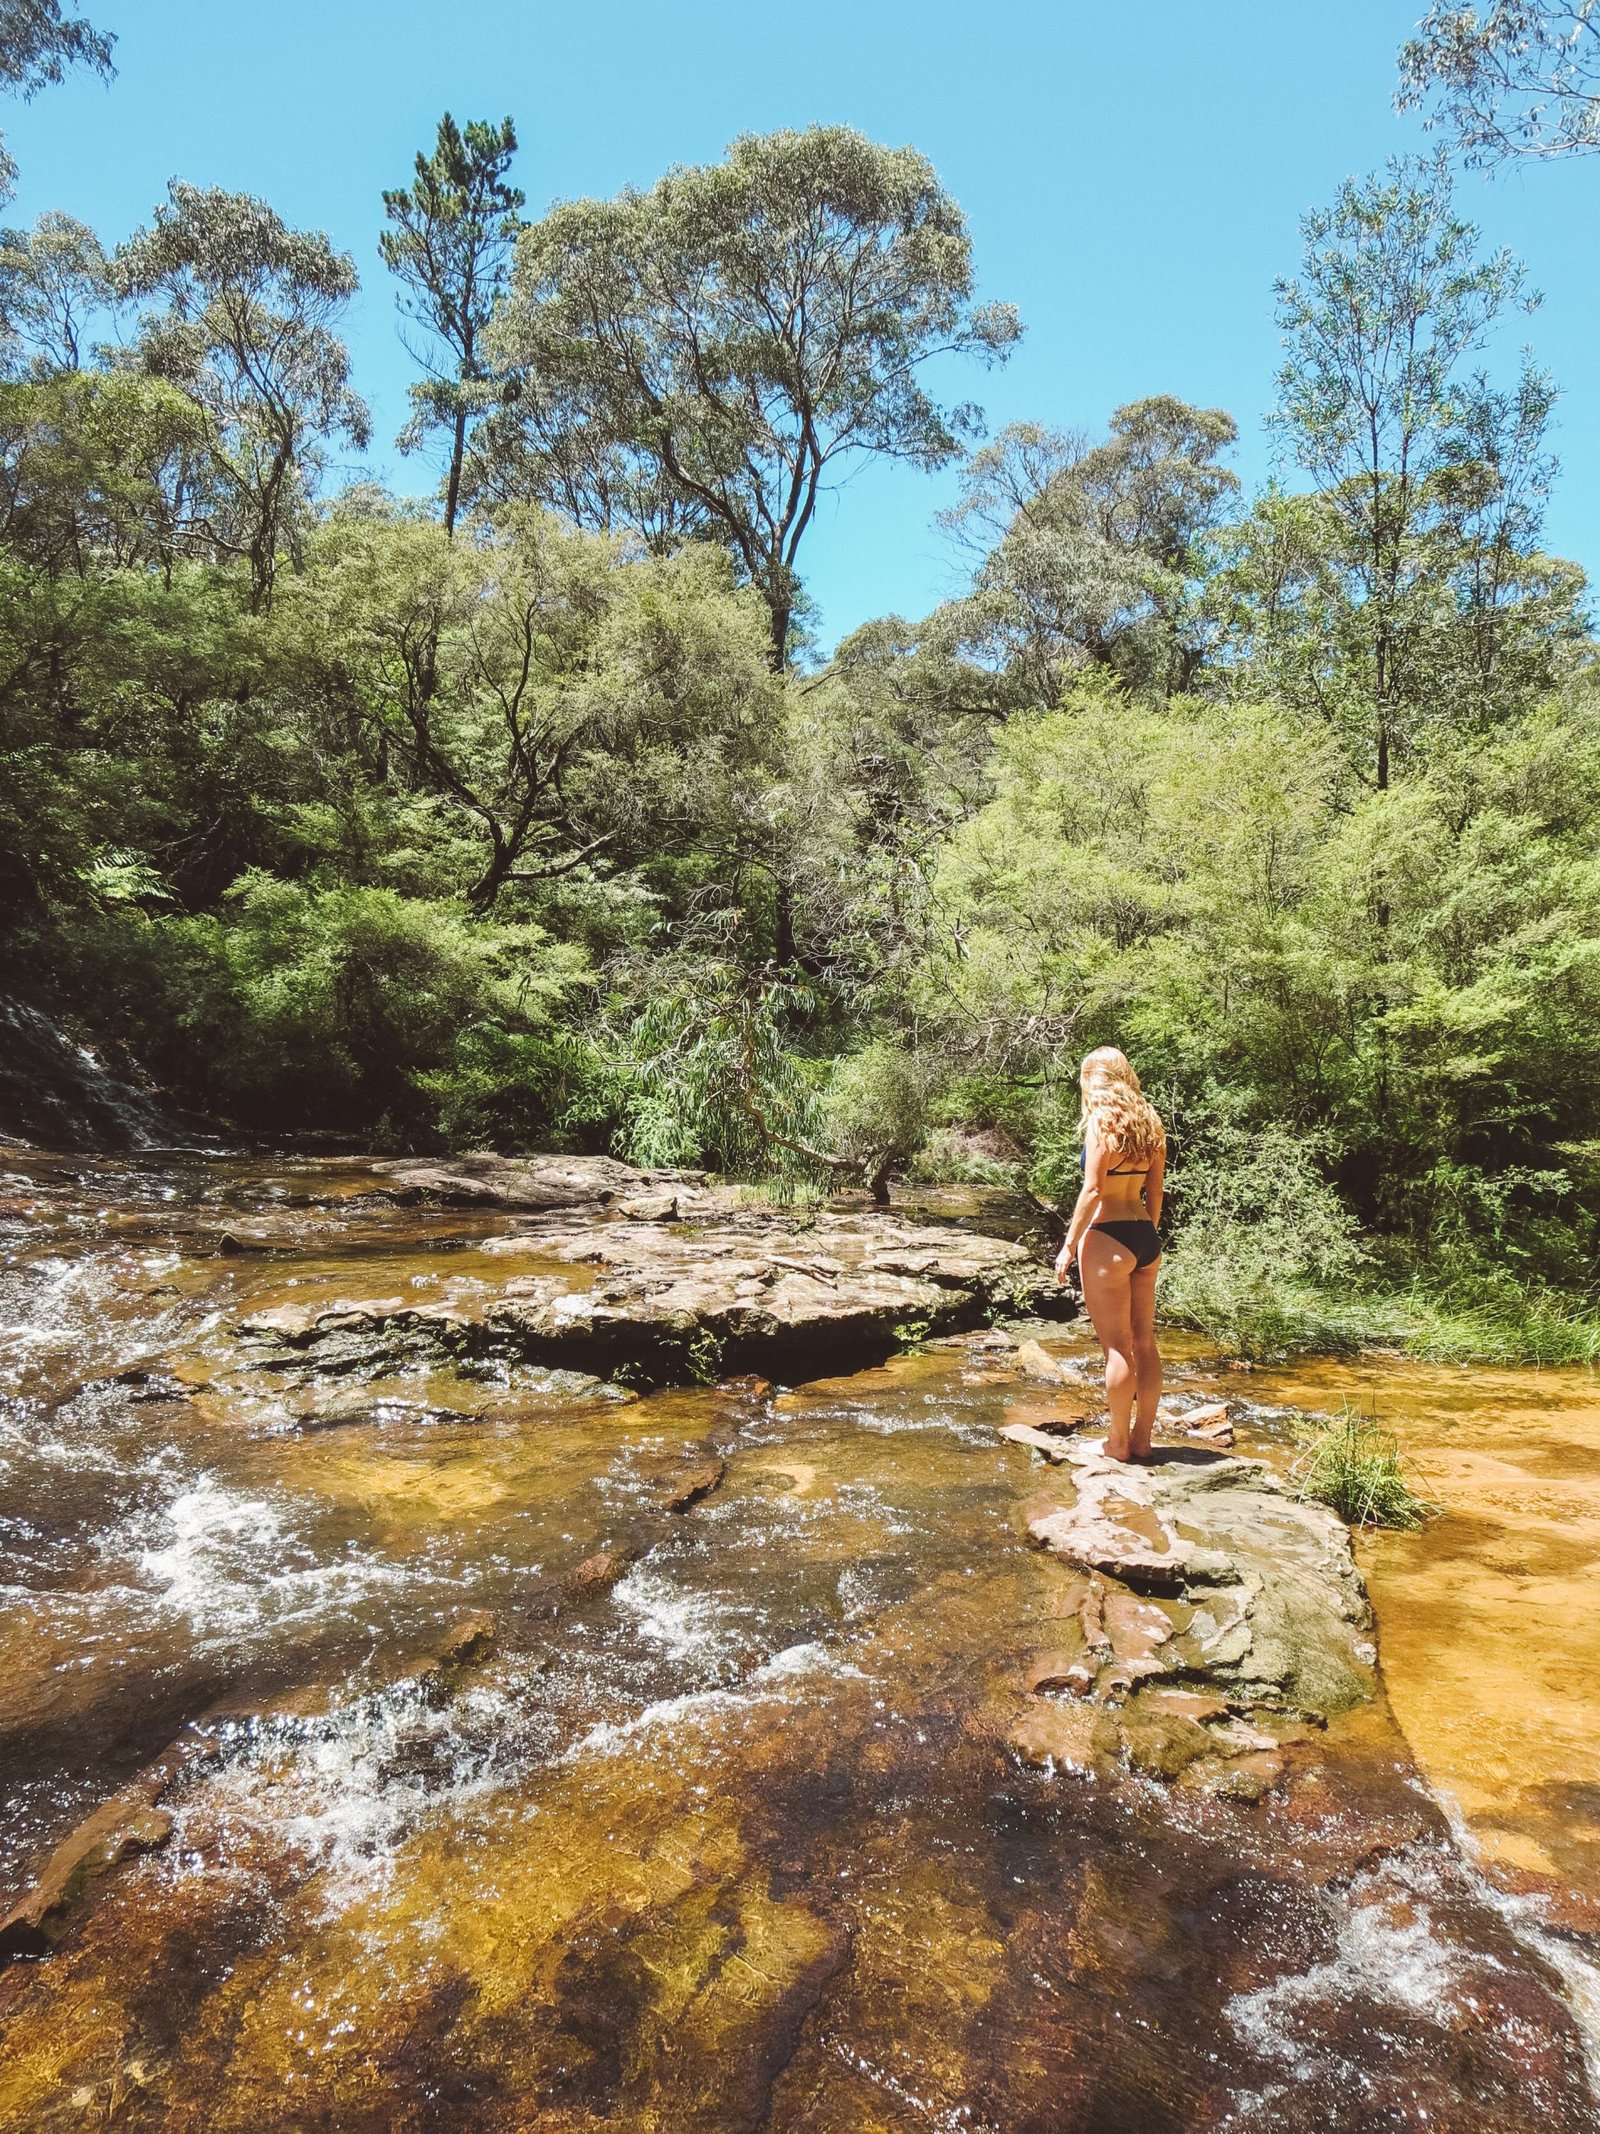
x=448, y=244
x=1514, y=78
x=347, y=1006
x=876, y=1106
x=1091, y=555
x=1411, y=579
x=535, y=836
x=703, y=357
x=704, y=1075
x=1350, y=1463
x=239, y=313
x=37, y=45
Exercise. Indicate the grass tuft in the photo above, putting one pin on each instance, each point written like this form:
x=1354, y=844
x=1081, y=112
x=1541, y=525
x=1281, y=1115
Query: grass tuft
x=1350, y=1463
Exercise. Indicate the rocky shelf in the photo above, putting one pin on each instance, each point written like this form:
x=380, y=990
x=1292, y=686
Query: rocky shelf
x=652, y=1279
x=1213, y=1619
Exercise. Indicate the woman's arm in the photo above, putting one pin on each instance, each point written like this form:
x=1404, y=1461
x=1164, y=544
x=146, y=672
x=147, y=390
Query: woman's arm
x=1096, y=1158
x=1155, y=1179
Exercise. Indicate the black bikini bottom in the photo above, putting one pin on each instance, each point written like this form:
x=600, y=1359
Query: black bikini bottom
x=1138, y=1236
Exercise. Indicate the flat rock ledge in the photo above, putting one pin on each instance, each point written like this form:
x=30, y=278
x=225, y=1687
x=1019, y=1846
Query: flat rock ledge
x=647, y=1300
x=530, y=1182
x=1215, y=1617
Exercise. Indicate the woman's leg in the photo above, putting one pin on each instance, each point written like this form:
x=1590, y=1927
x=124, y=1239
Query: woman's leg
x=1105, y=1267
x=1146, y=1356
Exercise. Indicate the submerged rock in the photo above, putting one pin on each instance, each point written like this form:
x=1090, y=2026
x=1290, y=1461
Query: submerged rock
x=122, y=1827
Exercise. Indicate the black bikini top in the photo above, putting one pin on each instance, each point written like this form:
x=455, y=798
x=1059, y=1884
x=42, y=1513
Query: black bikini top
x=1129, y=1170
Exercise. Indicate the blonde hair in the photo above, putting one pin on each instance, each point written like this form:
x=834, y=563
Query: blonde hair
x=1114, y=1103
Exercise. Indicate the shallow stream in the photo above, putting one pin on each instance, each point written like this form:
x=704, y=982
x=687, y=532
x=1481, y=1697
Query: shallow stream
x=715, y=1824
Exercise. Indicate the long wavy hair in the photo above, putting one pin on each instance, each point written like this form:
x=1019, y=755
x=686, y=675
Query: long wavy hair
x=1114, y=1103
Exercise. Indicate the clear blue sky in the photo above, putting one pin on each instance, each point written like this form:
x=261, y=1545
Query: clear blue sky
x=1133, y=175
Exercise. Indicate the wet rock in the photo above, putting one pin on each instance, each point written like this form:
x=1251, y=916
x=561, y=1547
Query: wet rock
x=1274, y=1610
x=697, y=1484
x=1033, y=1360
x=240, y=1244
x=471, y=1637
x=1246, y=1779
x=1053, y=1448
x=1570, y=1912
x=128, y=1824
x=1060, y=1670
x=1077, y=1738
x=1114, y=1531
x=1197, y=1704
x=1160, y=1742
x=146, y=1385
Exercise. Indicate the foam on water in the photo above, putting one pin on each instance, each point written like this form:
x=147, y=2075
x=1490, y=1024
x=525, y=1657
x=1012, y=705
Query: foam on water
x=683, y=1625
x=1397, y=1960
x=766, y=1684
x=345, y=1792
x=233, y=1565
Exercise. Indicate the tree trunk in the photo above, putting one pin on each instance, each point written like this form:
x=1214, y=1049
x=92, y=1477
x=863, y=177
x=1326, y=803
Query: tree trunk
x=778, y=652
x=783, y=926
x=458, y=448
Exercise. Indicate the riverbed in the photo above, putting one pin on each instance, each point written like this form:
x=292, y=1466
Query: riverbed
x=546, y=1756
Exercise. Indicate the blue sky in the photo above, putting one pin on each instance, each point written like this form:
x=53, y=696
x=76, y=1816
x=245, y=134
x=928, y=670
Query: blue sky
x=1133, y=175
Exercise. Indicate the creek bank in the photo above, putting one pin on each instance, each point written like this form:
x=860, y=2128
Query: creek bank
x=699, y=1288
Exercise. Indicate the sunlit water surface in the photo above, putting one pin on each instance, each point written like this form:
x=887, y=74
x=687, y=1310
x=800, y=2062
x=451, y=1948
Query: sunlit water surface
x=725, y=1832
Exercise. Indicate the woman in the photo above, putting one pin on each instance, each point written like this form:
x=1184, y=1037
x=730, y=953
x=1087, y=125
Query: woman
x=1113, y=1233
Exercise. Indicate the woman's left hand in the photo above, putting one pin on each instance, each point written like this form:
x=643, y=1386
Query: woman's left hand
x=1063, y=1263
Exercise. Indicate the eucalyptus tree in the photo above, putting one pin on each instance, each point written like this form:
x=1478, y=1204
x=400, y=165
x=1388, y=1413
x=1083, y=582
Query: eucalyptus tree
x=38, y=43
x=449, y=245
x=1091, y=554
x=55, y=289
x=1514, y=78
x=240, y=313
x=709, y=356
x=1414, y=456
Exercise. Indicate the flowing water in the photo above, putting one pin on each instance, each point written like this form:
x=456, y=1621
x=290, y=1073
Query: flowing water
x=723, y=1830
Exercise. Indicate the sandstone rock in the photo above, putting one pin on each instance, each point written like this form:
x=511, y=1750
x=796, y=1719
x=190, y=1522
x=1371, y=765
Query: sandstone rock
x=1114, y=1527
x=692, y=1301
x=1073, y=1737
x=127, y=1824
x=697, y=1484
x=1137, y=1628
x=1053, y=1671
x=517, y=1181
x=1274, y=1611
x=650, y=1208
x=1197, y=1704
x=711, y=1300
x=1564, y=1911
x=1160, y=1742
x=1053, y=1448
x=1241, y=1778
x=471, y=1637
x=1033, y=1360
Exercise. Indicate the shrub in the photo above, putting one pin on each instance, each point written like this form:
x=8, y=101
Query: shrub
x=1265, y=1257
x=1351, y=1464
x=296, y=1007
